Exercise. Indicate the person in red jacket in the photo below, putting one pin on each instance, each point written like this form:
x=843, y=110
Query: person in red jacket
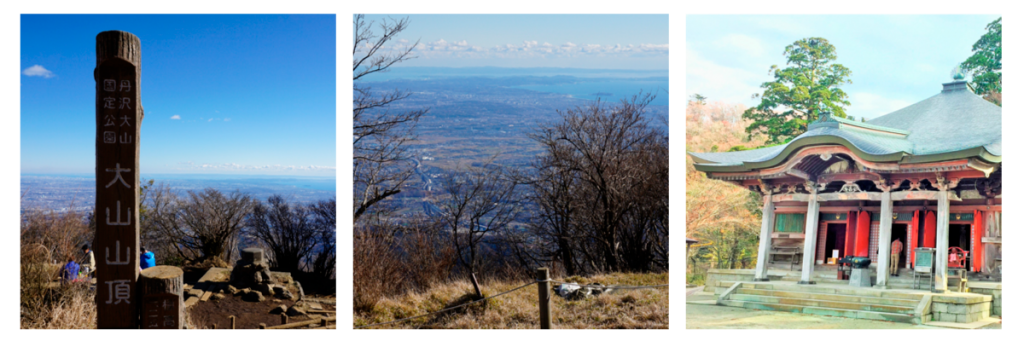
x=894, y=260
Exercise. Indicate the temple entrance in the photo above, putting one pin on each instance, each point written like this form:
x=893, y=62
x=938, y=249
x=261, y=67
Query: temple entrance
x=960, y=236
x=835, y=239
x=899, y=231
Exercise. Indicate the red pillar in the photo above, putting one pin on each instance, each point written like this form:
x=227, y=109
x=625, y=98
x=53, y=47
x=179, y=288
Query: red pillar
x=912, y=236
x=851, y=233
x=929, y=230
x=977, y=250
x=863, y=233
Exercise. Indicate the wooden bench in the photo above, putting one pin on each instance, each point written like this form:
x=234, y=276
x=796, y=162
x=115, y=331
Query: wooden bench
x=787, y=247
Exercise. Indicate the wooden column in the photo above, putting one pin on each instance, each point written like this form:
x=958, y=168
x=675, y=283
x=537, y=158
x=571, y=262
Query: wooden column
x=161, y=289
x=884, y=235
x=810, y=235
x=942, y=241
x=118, y=116
x=765, y=243
x=544, y=294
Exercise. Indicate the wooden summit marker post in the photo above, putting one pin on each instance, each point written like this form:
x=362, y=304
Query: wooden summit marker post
x=118, y=116
x=161, y=291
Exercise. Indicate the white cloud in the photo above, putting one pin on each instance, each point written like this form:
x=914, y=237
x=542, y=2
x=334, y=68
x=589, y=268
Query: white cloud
x=227, y=119
x=744, y=44
x=230, y=166
x=527, y=49
x=869, y=105
x=38, y=71
x=176, y=117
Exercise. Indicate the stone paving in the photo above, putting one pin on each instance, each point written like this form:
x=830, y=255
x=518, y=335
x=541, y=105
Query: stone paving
x=702, y=313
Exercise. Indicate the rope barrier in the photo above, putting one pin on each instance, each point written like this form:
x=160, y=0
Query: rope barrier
x=448, y=309
x=615, y=287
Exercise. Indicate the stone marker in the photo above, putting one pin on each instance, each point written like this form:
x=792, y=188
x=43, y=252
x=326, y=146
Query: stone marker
x=162, y=289
x=206, y=296
x=118, y=116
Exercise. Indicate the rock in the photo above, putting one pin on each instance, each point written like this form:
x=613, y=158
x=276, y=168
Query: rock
x=267, y=278
x=285, y=294
x=194, y=292
x=232, y=289
x=278, y=310
x=217, y=297
x=296, y=310
x=244, y=292
x=299, y=286
x=254, y=296
x=257, y=278
x=265, y=288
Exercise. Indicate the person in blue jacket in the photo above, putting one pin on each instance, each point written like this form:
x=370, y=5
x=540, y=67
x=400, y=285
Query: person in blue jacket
x=147, y=259
x=70, y=271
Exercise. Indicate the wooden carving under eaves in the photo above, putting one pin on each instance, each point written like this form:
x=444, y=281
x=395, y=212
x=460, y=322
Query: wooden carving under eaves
x=990, y=187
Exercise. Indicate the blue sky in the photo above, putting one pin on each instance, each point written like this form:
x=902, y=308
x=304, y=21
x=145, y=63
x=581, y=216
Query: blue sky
x=635, y=42
x=896, y=60
x=223, y=94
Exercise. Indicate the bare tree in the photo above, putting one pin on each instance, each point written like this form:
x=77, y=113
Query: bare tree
x=201, y=225
x=324, y=257
x=613, y=165
x=476, y=204
x=287, y=230
x=381, y=136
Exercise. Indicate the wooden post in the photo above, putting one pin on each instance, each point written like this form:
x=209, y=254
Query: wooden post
x=476, y=285
x=161, y=289
x=232, y=318
x=323, y=323
x=284, y=318
x=118, y=116
x=214, y=326
x=544, y=291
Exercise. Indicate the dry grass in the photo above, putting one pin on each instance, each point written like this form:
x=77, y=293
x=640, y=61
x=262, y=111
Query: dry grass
x=645, y=308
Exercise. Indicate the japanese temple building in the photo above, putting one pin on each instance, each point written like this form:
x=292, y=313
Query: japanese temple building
x=928, y=175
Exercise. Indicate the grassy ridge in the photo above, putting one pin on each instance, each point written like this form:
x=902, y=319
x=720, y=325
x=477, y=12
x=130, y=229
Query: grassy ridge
x=644, y=308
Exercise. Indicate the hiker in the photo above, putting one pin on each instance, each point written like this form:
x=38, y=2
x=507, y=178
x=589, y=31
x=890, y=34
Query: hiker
x=894, y=260
x=147, y=259
x=70, y=271
x=89, y=263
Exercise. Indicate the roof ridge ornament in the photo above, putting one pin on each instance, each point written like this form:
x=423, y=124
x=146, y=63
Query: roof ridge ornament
x=957, y=74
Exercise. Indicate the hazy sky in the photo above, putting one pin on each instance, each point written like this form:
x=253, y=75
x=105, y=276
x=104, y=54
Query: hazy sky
x=638, y=42
x=224, y=94
x=894, y=60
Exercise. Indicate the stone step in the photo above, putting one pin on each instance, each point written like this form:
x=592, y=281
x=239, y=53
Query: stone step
x=886, y=301
x=824, y=311
x=807, y=302
x=853, y=291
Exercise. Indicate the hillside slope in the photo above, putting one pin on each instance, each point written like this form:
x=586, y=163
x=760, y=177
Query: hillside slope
x=644, y=308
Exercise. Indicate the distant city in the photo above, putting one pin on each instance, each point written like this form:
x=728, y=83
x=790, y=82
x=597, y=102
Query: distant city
x=63, y=193
x=477, y=114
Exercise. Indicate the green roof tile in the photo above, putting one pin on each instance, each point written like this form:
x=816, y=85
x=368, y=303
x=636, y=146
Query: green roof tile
x=953, y=124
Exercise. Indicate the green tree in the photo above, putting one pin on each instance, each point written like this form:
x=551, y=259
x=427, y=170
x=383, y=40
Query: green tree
x=697, y=98
x=807, y=86
x=986, y=65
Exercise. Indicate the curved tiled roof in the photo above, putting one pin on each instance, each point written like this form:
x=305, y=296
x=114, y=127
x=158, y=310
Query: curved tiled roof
x=953, y=124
